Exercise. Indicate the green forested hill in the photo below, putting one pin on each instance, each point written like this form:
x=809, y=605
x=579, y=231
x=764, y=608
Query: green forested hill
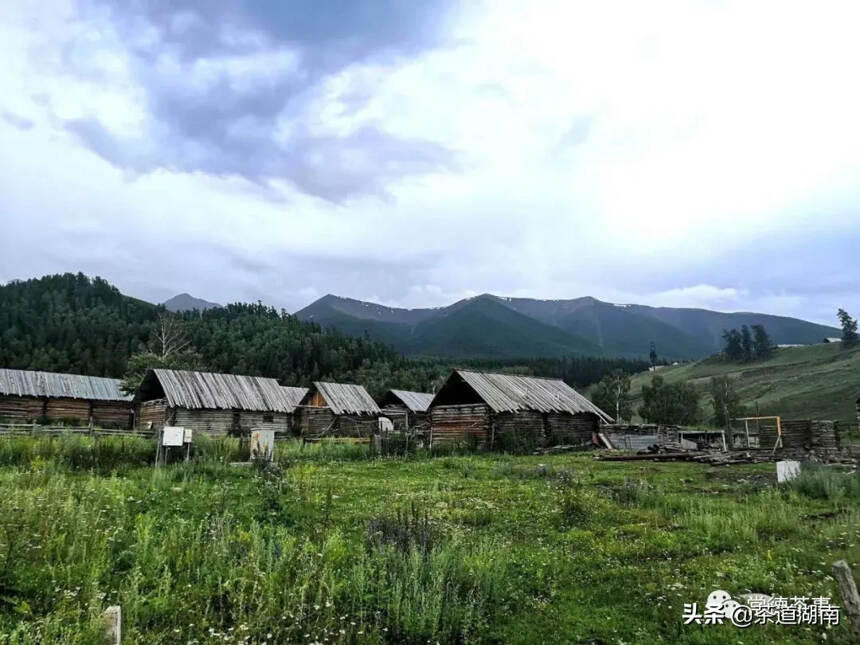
x=814, y=382
x=73, y=323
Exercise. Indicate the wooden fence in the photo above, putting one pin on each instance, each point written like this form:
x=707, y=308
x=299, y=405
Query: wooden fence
x=36, y=430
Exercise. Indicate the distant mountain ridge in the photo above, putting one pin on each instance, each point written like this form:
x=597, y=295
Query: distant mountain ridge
x=187, y=302
x=489, y=326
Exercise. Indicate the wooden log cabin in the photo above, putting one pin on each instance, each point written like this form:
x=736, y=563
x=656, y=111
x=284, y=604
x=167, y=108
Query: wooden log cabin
x=821, y=437
x=337, y=410
x=214, y=404
x=48, y=397
x=508, y=412
x=407, y=410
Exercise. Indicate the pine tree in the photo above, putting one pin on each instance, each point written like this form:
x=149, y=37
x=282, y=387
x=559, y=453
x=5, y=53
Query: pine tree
x=762, y=345
x=746, y=343
x=849, y=328
x=733, y=348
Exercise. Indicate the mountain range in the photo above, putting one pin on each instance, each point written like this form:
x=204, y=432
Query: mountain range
x=489, y=326
x=187, y=302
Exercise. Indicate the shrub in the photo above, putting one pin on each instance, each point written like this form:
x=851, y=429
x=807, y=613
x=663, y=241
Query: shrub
x=822, y=482
x=408, y=529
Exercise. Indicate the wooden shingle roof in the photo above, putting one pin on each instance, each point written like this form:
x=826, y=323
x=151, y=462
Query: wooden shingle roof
x=212, y=391
x=512, y=393
x=346, y=398
x=414, y=401
x=54, y=385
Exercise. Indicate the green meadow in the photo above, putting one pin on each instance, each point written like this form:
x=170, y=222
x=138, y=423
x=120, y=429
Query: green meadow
x=332, y=545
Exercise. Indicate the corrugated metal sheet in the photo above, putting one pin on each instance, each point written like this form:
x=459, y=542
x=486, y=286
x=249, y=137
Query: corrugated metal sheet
x=635, y=441
x=415, y=401
x=345, y=398
x=509, y=393
x=211, y=391
x=51, y=384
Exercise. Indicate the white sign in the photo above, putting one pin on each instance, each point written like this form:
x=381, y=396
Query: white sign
x=787, y=470
x=262, y=444
x=189, y=432
x=172, y=436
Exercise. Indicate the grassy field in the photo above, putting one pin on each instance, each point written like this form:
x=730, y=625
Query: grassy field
x=331, y=546
x=813, y=382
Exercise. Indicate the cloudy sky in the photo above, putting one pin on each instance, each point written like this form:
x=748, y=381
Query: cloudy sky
x=684, y=154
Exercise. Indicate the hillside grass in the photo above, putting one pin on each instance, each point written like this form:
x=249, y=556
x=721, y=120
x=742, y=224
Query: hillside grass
x=814, y=382
x=329, y=545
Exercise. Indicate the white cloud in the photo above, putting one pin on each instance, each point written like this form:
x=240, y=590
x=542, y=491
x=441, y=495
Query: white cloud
x=615, y=150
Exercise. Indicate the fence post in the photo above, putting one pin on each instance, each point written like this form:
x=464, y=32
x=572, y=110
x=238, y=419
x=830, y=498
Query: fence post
x=113, y=625
x=850, y=597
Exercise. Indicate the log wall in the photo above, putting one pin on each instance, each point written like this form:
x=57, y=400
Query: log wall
x=76, y=410
x=803, y=434
x=224, y=422
x=20, y=408
x=401, y=417
x=347, y=425
x=211, y=422
x=314, y=422
x=516, y=431
x=113, y=414
x=468, y=423
x=570, y=429
x=154, y=412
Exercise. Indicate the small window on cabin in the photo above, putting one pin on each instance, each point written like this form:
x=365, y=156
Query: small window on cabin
x=268, y=418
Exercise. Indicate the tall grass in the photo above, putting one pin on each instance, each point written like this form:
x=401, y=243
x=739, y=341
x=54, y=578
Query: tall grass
x=312, y=547
x=76, y=452
x=190, y=556
x=820, y=482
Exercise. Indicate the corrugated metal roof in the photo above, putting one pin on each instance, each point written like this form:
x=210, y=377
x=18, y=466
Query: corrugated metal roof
x=345, y=398
x=51, y=384
x=211, y=391
x=415, y=401
x=511, y=393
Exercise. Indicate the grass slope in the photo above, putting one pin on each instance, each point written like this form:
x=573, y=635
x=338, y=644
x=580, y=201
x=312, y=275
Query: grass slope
x=814, y=382
x=336, y=547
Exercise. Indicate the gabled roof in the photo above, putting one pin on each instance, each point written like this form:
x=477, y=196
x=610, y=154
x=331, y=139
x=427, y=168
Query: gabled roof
x=511, y=393
x=51, y=384
x=211, y=391
x=346, y=398
x=414, y=401
x=294, y=394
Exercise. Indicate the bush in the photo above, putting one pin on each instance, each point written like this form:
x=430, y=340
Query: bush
x=409, y=529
